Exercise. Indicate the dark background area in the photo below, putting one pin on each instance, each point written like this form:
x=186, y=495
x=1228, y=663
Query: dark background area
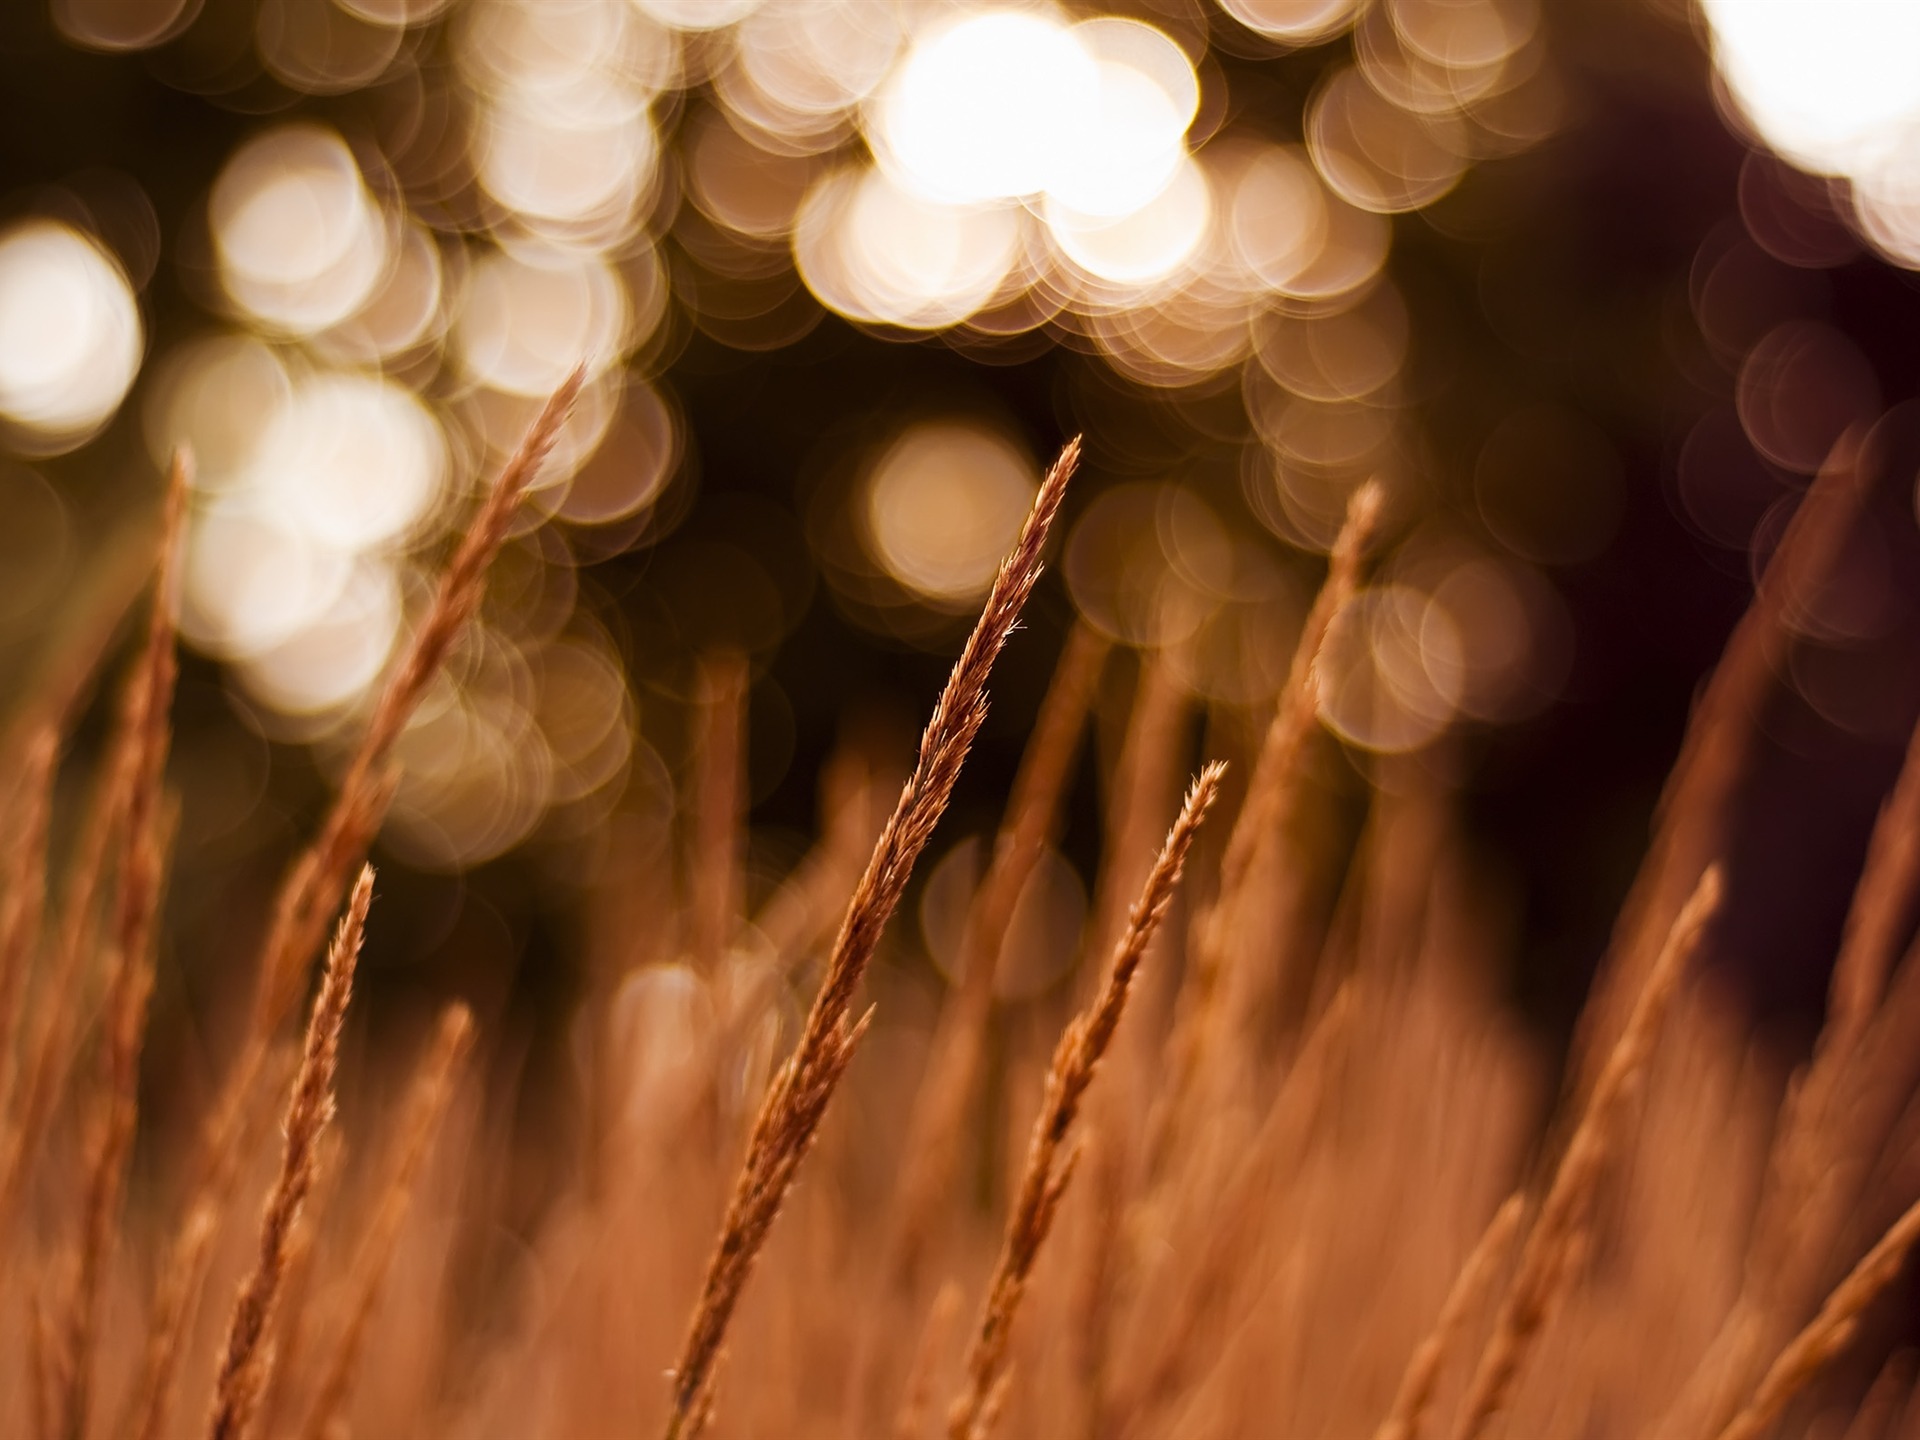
x=1575, y=273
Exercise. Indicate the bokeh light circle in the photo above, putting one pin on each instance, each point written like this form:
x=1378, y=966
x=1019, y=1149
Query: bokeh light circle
x=70, y=335
x=943, y=504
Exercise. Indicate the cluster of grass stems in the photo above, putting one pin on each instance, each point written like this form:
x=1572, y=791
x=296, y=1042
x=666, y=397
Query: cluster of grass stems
x=1286, y=1169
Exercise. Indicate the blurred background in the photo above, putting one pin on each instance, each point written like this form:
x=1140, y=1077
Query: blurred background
x=1593, y=287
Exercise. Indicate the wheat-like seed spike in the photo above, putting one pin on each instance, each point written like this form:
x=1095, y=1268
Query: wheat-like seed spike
x=432, y=1092
x=1561, y=1223
x=947, y=1085
x=245, y=1358
x=23, y=888
x=1828, y=1332
x=1047, y=1171
x=293, y=1322
x=1469, y=1291
x=797, y=1099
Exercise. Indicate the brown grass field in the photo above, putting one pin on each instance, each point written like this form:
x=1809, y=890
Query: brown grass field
x=1290, y=1169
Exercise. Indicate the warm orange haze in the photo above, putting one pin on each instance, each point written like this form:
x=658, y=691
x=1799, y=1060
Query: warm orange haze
x=973, y=718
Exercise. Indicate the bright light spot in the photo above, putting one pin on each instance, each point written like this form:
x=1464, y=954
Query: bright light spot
x=354, y=461
x=1143, y=247
x=585, y=713
x=1392, y=670
x=476, y=776
x=70, y=337
x=404, y=311
x=1277, y=217
x=871, y=251
x=394, y=12
x=1298, y=22
x=253, y=579
x=1830, y=84
x=556, y=44
x=696, y=14
x=318, y=48
x=1886, y=204
x=530, y=317
x=215, y=395
x=1512, y=666
x=300, y=242
x=1120, y=565
x=1349, y=355
x=744, y=187
x=331, y=658
x=631, y=466
x=122, y=24
x=817, y=57
x=1376, y=155
x=1042, y=932
x=661, y=1020
x=944, y=504
x=1123, y=147
x=1239, y=654
x=1464, y=35
x=983, y=106
x=573, y=155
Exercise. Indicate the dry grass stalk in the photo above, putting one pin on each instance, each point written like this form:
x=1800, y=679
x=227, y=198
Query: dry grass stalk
x=1145, y=779
x=1871, y=939
x=432, y=1092
x=246, y=1359
x=1469, y=1291
x=1831, y=1120
x=1207, y=1279
x=1692, y=810
x=947, y=1088
x=1561, y=1225
x=116, y=576
x=1880, y=1407
x=1048, y=1170
x=1198, y=1029
x=801, y=914
x=316, y=883
x=1812, y=1128
x=1095, y=1298
x=23, y=888
x=140, y=752
x=715, y=856
x=910, y=1422
x=288, y=1338
x=47, y=1046
x=1828, y=1332
x=150, y=1410
x=797, y=1099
